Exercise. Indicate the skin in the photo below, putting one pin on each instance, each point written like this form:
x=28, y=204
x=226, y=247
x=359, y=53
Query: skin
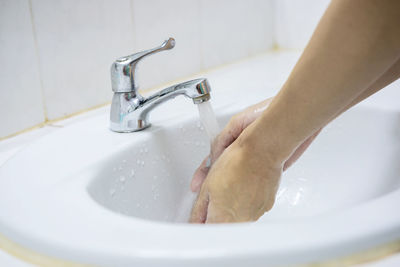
x=353, y=53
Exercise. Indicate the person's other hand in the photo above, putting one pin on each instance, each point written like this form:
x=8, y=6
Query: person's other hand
x=241, y=186
x=230, y=133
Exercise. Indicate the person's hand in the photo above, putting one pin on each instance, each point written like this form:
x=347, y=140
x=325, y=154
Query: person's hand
x=241, y=185
x=227, y=136
x=230, y=133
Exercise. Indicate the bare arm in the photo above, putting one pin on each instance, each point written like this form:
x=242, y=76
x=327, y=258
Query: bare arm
x=392, y=74
x=355, y=43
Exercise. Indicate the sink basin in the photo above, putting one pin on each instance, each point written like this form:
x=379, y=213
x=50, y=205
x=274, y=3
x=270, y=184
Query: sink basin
x=88, y=195
x=353, y=161
x=151, y=179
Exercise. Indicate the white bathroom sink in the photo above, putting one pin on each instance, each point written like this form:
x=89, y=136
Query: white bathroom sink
x=89, y=195
x=354, y=160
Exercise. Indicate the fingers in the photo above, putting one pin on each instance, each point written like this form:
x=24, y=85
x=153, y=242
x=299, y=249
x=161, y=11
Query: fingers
x=200, y=174
x=199, y=211
x=227, y=136
x=221, y=142
x=235, y=127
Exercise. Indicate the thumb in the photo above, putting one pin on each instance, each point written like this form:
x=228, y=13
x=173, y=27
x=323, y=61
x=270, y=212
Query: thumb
x=200, y=174
x=199, y=211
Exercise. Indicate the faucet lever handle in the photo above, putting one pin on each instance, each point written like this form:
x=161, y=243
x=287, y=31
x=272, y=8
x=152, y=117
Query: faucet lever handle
x=135, y=58
x=124, y=68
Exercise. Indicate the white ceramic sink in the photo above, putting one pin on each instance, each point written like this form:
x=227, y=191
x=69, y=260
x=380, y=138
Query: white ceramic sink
x=88, y=195
x=354, y=160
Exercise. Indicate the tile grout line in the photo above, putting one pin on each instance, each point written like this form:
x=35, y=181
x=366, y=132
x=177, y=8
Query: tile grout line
x=275, y=45
x=51, y=122
x=45, y=113
x=131, y=11
x=200, y=29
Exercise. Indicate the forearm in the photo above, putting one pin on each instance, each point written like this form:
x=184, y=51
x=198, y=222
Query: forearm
x=392, y=74
x=355, y=43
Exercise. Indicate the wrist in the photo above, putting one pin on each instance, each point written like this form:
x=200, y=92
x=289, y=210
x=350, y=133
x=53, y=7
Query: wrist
x=259, y=146
x=267, y=140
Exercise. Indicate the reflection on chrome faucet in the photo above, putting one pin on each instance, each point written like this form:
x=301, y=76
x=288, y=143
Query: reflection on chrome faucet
x=129, y=109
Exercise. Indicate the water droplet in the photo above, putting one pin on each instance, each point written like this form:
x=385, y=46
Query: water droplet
x=120, y=168
x=122, y=188
x=155, y=177
x=146, y=150
x=137, y=205
x=124, y=161
x=141, y=151
x=142, y=163
x=138, y=161
x=115, y=169
x=132, y=172
x=122, y=179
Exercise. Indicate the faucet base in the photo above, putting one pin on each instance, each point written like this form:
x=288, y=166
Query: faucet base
x=129, y=128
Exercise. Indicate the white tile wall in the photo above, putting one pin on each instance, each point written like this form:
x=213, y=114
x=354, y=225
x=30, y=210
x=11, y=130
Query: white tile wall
x=207, y=33
x=21, y=103
x=235, y=29
x=156, y=21
x=77, y=42
x=296, y=20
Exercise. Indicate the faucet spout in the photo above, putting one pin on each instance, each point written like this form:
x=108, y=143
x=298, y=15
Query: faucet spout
x=198, y=90
x=130, y=111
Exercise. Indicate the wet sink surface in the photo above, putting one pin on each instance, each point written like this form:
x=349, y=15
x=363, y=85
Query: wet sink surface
x=98, y=197
x=354, y=160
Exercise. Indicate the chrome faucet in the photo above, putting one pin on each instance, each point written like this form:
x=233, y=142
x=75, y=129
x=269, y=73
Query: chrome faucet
x=129, y=109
